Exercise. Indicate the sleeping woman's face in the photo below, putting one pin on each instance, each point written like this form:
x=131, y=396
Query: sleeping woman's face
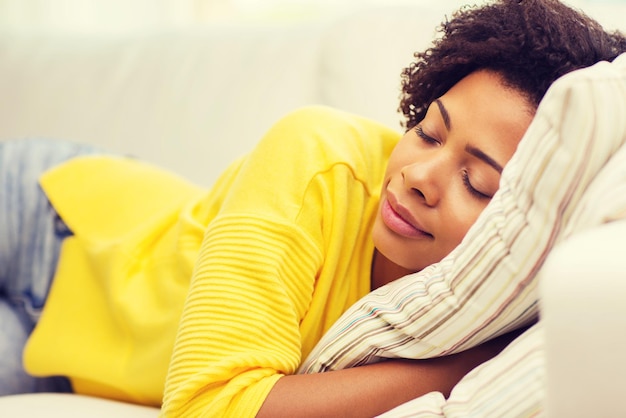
x=444, y=171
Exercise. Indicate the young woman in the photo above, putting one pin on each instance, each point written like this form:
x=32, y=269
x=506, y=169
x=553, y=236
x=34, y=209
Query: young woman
x=327, y=207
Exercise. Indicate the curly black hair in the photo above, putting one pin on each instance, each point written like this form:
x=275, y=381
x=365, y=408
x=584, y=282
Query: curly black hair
x=530, y=43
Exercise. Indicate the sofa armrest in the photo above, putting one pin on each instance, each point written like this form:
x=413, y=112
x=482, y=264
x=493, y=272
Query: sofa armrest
x=583, y=290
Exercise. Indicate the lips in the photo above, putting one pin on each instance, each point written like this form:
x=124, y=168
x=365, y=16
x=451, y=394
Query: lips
x=400, y=221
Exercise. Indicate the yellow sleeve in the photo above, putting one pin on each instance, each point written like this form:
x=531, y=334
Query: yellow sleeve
x=240, y=326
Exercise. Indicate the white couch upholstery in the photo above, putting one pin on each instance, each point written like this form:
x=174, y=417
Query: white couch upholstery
x=193, y=99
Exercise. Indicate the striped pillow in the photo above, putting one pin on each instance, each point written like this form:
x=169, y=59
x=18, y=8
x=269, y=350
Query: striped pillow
x=488, y=284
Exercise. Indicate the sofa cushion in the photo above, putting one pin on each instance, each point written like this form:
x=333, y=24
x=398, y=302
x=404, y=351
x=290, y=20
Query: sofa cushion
x=188, y=100
x=53, y=405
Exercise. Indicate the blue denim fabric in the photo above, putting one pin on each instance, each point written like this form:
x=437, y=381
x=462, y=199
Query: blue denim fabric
x=30, y=240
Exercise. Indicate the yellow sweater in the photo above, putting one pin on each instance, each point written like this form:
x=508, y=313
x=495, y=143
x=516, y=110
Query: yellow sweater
x=275, y=251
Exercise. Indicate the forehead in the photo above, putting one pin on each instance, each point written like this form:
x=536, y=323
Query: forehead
x=484, y=93
x=485, y=113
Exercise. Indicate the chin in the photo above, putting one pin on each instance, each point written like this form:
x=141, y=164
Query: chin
x=406, y=262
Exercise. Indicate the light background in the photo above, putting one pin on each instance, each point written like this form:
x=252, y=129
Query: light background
x=117, y=16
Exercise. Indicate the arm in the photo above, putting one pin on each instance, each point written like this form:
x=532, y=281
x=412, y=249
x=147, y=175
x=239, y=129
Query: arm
x=373, y=389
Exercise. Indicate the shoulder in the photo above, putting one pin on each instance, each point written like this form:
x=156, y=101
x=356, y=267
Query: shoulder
x=304, y=155
x=328, y=123
x=319, y=137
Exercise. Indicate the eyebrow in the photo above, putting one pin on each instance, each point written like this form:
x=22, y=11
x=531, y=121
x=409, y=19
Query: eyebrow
x=469, y=149
x=481, y=155
x=444, y=113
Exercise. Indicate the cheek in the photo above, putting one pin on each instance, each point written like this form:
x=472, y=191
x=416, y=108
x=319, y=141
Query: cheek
x=461, y=224
x=393, y=167
x=401, y=155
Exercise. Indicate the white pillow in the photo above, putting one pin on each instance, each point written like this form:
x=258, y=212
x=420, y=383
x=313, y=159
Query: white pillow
x=488, y=284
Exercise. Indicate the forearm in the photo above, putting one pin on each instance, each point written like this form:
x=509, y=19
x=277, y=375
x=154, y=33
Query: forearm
x=357, y=392
x=370, y=390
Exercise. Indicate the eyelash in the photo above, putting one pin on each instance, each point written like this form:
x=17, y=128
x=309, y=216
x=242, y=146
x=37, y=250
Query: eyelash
x=426, y=138
x=470, y=188
x=464, y=175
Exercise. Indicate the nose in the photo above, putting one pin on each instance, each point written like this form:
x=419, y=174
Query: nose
x=425, y=179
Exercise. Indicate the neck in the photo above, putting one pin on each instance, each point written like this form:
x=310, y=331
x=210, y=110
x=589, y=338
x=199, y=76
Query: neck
x=385, y=271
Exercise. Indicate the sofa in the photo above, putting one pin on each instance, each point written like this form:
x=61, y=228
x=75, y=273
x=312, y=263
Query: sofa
x=193, y=99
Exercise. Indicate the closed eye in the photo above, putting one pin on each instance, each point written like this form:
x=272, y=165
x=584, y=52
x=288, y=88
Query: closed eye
x=471, y=189
x=426, y=138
